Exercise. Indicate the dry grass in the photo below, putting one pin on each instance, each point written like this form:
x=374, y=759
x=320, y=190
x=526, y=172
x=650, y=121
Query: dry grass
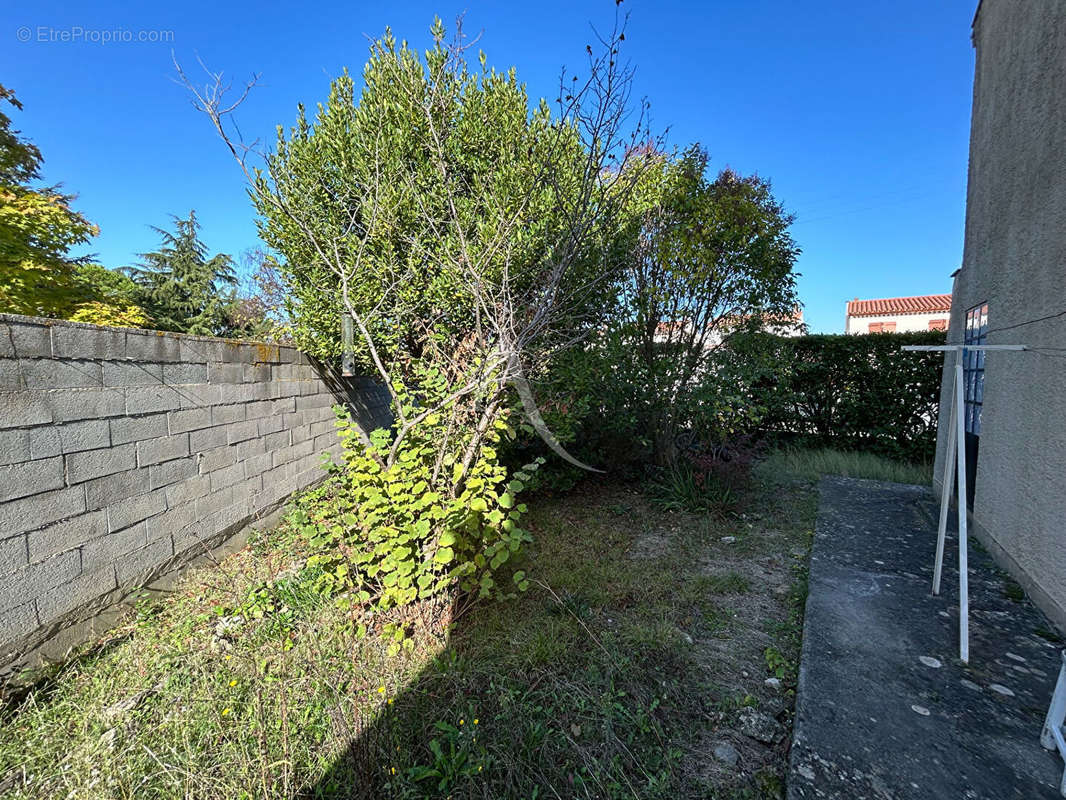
x=613, y=677
x=812, y=464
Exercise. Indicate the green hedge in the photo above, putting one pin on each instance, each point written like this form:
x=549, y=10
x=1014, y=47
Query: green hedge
x=844, y=391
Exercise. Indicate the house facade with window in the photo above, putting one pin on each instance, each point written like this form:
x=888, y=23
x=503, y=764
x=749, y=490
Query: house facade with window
x=1011, y=290
x=791, y=324
x=928, y=312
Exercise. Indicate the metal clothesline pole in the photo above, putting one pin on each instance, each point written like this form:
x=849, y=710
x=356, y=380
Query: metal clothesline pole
x=964, y=545
x=945, y=495
x=956, y=452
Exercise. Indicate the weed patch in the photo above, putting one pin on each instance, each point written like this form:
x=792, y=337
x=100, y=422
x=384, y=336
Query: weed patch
x=611, y=677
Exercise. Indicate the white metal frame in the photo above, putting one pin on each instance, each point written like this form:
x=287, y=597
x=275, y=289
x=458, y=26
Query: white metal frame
x=1052, y=737
x=955, y=458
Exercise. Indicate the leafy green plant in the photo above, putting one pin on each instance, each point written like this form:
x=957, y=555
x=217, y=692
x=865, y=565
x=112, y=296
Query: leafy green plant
x=422, y=526
x=457, y=755
x=778, y=665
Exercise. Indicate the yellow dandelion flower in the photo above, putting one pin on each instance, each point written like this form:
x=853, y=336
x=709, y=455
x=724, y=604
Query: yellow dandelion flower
x=394, y=770
x=462, y=722
x=225, y=711
x=391, y=699
x=479, y=769
x=475, y=721
x=233, y=683
x=381, y=690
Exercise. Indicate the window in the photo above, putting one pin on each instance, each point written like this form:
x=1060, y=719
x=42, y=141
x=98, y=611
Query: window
x=876, y=327
x=938, y=324
x=890, y=327
x=973, y=366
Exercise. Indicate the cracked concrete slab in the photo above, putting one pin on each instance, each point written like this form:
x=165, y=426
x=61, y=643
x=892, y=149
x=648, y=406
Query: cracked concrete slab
x=884, y=709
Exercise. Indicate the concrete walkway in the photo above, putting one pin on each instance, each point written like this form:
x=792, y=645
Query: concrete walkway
x=884, y=709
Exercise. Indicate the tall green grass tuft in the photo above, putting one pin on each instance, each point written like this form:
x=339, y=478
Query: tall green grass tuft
x=682, y=488
x=812, y=464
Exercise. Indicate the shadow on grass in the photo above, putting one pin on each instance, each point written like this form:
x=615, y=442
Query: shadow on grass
x=582, y=687
x=614, y=676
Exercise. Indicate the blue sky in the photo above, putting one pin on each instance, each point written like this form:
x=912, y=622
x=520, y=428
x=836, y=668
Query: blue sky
x=858, y=112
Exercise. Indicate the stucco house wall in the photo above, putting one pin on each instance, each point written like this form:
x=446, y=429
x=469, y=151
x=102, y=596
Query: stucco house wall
x=1015, y=259
x=904, y=322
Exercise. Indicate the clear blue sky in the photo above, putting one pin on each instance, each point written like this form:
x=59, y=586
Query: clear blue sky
x=858, y=112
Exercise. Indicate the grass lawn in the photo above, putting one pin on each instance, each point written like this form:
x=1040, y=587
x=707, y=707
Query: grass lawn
x=642, y=646
x=813, y=463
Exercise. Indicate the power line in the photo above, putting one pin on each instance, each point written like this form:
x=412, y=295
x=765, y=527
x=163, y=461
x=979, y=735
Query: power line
x=800, y=220
x=1027, y=322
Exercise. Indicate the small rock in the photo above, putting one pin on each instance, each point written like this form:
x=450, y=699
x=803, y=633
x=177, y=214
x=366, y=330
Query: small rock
x=226, y=626
x=744, y=673
x=970, y=685
x=929, y=661
x=726, y=753
x=775, y=707
x=760, y=727
x=126, y=705
x=920, y=710
x=773, y=683
x=999, y=688
x=1015, y=657
x=728, y=539
x=576, y=730
x=686, y=637
x=107, y=738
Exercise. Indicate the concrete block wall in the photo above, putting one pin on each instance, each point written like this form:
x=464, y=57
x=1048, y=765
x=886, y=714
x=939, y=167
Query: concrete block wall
x=124, y=452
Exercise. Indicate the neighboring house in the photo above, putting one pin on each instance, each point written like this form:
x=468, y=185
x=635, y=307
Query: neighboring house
x=927, y=312
x=1011, y=289
x=790, y=325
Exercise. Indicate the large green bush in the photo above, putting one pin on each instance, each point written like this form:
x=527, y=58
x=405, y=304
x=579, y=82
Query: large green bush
x=851, y=392
x=468, y=236
x=421, y=201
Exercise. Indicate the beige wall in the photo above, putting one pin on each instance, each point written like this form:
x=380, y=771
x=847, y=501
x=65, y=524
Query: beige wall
x=1015, y=259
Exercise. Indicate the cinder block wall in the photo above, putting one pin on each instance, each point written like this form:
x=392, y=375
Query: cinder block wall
x=125, y=452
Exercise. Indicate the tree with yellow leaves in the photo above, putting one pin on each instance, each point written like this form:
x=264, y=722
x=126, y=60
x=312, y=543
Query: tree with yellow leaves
x=38, y=228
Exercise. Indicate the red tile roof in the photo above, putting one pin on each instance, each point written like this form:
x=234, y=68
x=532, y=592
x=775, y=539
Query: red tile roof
x=925, y=304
